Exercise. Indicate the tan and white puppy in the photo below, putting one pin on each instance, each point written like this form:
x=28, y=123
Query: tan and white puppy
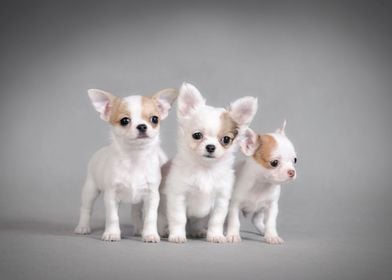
x=200, y=177
x=270, y=163
x=128, y=170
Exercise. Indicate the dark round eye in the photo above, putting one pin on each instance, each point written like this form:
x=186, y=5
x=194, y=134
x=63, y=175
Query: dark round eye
x=226, y=140
x=295, y=160
x=125, y=121
x=197, y=135
x=154, y=119
x=274, y=163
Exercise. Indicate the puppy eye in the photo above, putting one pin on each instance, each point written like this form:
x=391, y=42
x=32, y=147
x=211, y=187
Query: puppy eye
x=295, y=160
x=274, y=163
x=226, y=140
x=154, y=119
x=197, y=135
x=125, y=121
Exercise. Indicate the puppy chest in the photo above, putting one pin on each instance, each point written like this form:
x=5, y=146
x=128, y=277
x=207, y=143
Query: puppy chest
x=199, y=204
x=132, y=185
x=256, y=199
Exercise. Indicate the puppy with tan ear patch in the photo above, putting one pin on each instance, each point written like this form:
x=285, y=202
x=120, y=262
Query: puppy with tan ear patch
x=270, y=163
x=197, y=189
x=128, y=170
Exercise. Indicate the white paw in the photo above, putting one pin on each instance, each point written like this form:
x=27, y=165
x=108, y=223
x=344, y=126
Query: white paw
x=82, y=230
x=198, y=234
x=151, y=238
x=273, y=239
x=111, y=236
x=177, y=238
x=216, y=238
x=233, y=238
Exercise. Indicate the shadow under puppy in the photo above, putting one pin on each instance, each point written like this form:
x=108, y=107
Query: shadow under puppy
x=270, y=163
x=128, y=170
x=197, y=189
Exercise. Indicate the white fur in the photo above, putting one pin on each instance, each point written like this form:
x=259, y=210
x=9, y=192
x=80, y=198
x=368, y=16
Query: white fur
x=197, y=189
x=257, y=189
x=128, y=170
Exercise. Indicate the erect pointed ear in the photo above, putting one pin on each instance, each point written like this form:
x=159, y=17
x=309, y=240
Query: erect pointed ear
x=243, y=110
x=189, y=99
x=101, y=101
x=250, y=142
x=165, y=99
x=282, y=129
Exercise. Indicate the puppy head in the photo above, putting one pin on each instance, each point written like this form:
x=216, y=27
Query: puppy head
x=209, y=133
x=274, y=153
x=134, y=118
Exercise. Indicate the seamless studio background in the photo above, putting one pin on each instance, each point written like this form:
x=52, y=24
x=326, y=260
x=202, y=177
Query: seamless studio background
x=325, y=66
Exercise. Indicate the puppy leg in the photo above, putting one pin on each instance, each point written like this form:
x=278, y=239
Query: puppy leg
x=176, y=215
x=258, y=221
x=216, y=221
x=198, y=227
x=271, y=235
x=112, y=224
x=150, y=209
x=136, y=217
x=163, y=228
x=89, y=195
x=233, y=224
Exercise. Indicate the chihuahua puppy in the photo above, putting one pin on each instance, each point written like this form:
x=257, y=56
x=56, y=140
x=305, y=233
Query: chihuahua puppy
x=200, y=177
x=270, y=163
x=128, y=170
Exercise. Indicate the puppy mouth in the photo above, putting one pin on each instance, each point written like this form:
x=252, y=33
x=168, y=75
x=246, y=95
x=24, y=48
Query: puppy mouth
x=142, y=136
x=209, y=156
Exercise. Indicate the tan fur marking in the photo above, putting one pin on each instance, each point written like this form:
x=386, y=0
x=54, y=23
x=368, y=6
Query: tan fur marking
x=228, y=128
x=118, y=110
x=263, y=154
x=149, y=109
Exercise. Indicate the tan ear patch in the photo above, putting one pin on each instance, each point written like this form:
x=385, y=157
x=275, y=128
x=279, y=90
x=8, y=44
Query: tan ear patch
x=150, y=109
x=118, y=110
x=263, y=154
x=228, y=128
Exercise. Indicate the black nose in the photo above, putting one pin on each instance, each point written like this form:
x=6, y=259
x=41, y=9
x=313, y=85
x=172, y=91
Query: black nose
x=210, y=148
x=142, y=127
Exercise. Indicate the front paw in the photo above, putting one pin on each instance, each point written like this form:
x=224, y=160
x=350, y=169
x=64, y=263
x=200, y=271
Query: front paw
x=111, y=236
x=233, y=238
x=216, y=238
x=273, y=239
x=151, y=238
x=82, y=230
x=177, y=238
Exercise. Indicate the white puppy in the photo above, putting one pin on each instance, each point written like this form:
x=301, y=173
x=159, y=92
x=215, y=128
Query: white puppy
x=128, y=170
x=200, y=177
x=270, y=163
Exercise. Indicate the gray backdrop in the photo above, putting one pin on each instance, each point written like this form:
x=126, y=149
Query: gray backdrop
x=323, y=65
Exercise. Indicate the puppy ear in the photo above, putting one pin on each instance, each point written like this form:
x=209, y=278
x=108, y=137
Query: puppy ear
x=250, y=142
x=282, y=129
x=101, y=101
x=189, y=100
x=243, y=110
x=165, y=99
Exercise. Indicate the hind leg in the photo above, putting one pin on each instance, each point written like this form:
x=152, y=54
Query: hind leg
x=258, y=221
x=89, y=195
x=137, y=221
